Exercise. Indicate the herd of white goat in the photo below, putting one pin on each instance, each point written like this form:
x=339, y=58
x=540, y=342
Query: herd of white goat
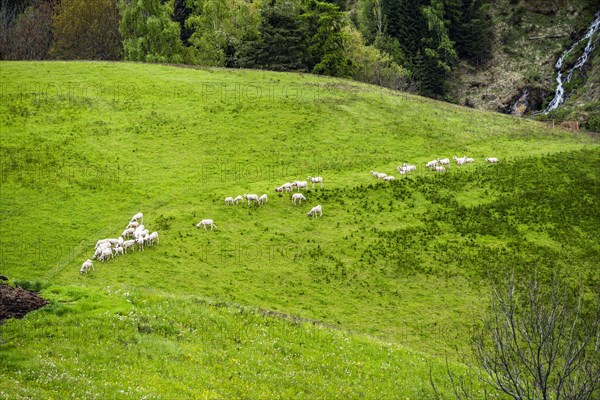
x=437, y=165
x=135, y=234
x=297, y=199
x=109, y=248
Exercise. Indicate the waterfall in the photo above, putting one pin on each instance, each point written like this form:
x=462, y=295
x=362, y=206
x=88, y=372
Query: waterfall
x=559, y=96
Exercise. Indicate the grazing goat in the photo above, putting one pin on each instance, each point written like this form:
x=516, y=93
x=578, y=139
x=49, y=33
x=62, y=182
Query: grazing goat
x=128, y=244
x=444, y=161
x=263, y=199
x=205, y=223
x=251, y=197
x=431, y=164
x=315, y=179
x=492, y=160
x=460, y=160
x=378, y=175
x=297, y=197
x=439, y=168
x=287, y=187
x=127, y=232
x=238, y=199
x=153, y=237
x=85, y=267
x=140, y=240
x=389, y=178
x=229, y=201
x=300, y=185
x=139, y=231
x=106, y=254
x=133, y=224
x=316, y=209
x=404, y=168
x=137, y=216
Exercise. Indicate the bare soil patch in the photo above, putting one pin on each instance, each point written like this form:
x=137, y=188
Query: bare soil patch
x=16, y=302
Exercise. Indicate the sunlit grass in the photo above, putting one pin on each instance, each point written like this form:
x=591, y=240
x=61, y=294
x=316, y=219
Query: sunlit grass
x=84, y=146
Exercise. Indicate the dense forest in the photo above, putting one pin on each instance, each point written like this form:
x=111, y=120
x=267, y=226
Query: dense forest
x=417, y=45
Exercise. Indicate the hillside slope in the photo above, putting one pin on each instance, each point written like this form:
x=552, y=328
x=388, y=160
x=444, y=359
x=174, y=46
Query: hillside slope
x=85, y=146
x=529, y=37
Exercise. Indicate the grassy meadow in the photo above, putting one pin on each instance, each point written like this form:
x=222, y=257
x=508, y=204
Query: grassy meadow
x=360, y=303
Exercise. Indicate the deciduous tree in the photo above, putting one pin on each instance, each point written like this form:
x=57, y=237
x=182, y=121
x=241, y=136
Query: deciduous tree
x=149, y=34
x=86, y=30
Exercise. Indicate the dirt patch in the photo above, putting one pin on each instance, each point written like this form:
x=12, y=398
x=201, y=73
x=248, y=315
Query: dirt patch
x=16, y=302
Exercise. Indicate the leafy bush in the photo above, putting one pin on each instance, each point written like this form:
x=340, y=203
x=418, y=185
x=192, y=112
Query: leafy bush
x=593, y=123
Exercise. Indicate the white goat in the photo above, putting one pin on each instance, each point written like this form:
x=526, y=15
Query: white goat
x=238, y=199
x=460, y=160
x=492, y=160
x=439, y=168
x=119, y=249
x=287, y=187
x=85, y=267
x=205, y=223
x=128, y=244
x=106, y=254
x=406, y=168
x=297, y=197
x=444, y=161
x=139, y=231
x=378, y=175
x=229, y=201
x=263, y=199
x=470, y=160
x=315, y=179
x=127, y=232
x=316, y=209
x=431, y=164
x=389, y=178
x=100, y=243
x=152, y=238
x=138, y=216
x=140, y=242
x=300, y=185
x=251, y=197
x=133, y=224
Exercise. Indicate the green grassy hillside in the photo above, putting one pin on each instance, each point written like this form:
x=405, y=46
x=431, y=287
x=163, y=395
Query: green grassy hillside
x=395, y=272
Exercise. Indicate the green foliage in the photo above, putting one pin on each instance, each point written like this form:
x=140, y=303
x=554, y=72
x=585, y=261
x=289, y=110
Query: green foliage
x=438, y=50
x=26, y=30
x=431, y=36
x=219, y=29
x=86, y=30
x=149, y=34
x=372, y=65
x=326, y=55
x=593, y=123
x=281, y=44
x=370, y=19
